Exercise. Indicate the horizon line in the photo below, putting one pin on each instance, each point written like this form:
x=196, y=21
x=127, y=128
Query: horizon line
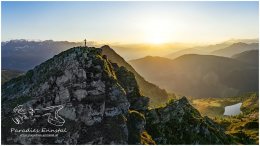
x=133, y=43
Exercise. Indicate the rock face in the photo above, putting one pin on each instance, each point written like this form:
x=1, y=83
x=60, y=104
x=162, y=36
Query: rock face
x=127, y=81
x=95, y=103
x=179, y=123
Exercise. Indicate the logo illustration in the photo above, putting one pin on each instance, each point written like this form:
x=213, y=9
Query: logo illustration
x=23, y=113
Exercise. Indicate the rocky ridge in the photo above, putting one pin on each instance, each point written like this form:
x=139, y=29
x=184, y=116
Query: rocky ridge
x=157, y=95
x=180, y=123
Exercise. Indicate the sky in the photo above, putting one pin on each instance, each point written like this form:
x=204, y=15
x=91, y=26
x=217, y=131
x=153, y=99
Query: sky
x=130, y=22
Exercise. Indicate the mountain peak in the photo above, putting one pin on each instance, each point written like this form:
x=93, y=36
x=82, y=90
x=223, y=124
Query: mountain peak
x=151, y=57
x=184, y=100
x=105, y=47
x=239, y=44
x=94, y=101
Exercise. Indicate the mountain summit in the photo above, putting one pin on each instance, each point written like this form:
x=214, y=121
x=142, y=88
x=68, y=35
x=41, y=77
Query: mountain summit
x=95, y=105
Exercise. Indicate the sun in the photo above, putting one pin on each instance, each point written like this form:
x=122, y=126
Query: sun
x=156, y=30
x=156, y=39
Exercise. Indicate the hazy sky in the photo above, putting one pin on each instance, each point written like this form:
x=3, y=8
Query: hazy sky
x=130, y=22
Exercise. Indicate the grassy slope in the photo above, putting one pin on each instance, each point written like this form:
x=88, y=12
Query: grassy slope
x=9, y=74
x=213, y=107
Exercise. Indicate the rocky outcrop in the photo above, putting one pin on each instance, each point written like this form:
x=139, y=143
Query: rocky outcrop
x=95, y=103
x=180, y=123
x=127, y=80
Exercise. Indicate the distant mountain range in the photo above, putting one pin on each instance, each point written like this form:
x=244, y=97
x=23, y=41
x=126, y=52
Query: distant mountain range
x=225, y=49
x=24, y=55
x=235, y=49
x=198, y=50
x=201, y=75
